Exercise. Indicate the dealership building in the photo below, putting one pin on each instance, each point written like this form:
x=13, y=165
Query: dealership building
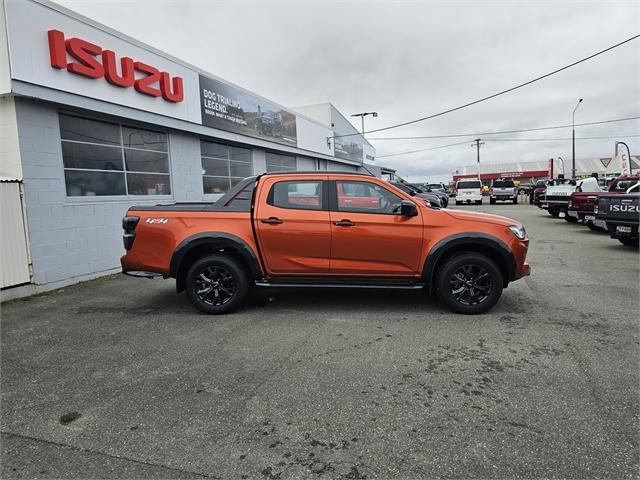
x=93, y=121
x=540, y=170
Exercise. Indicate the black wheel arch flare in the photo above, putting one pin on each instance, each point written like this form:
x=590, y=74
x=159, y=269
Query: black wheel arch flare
x=219, y=240
x=469, y=242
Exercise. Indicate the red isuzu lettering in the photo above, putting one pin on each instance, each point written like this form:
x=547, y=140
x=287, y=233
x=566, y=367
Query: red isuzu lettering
x=93, y=62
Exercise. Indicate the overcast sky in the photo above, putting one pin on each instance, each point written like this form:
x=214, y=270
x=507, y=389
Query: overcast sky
x=406, y=60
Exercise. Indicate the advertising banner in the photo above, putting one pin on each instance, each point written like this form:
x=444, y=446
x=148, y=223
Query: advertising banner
x=351, y=147
x=235, y=110
x=550, y=169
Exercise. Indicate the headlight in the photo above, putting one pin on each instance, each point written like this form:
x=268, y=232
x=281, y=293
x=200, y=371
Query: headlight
x=518, y=231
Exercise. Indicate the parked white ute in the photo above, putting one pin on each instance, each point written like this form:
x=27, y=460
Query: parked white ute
x=468, y=191
x=556, y=198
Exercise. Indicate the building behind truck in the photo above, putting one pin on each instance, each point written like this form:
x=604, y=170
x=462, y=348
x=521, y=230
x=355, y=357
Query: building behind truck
x=94, y=121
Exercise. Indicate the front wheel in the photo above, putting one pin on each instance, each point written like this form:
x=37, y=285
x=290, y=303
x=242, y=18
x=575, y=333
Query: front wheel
x=469, y=283
x=629, y=242
x=216, y=284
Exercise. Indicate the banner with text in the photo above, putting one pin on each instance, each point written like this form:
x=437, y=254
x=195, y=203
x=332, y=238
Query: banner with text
x=235, y=110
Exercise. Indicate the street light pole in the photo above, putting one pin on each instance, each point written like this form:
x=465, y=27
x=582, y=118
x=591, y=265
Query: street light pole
x=573, y=141
x=362, y=115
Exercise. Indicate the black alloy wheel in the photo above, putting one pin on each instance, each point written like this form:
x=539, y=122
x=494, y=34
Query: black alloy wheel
x=469, y=283
x=216, y=284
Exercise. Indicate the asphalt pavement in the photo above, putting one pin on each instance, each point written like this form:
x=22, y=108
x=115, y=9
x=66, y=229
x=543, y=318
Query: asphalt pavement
x=122, y=378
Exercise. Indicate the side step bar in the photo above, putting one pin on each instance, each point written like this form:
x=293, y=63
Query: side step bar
x=331, y=283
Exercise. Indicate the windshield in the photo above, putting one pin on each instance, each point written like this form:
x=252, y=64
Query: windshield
x=623, y=185
x=435, y=185
x=403, y=187
x=469, y=184
x=503, y=184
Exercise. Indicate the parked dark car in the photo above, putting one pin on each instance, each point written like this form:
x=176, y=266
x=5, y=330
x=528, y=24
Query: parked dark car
x=621, y=213
x=414, y=191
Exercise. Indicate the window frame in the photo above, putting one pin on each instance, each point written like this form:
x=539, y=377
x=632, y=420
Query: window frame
x=117, y=197
x=324, y=200
x=228, y=161
x=284, y=169
x=333, y=197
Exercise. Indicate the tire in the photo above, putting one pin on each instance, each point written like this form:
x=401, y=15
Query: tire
x=515, y=201
x=458, y=203
x=594, y=227
x=222, y=272
x=629, y=242
x=478, y=202
x=554, y=213
x=570, y=219
x=492, y=201
x=469, y=265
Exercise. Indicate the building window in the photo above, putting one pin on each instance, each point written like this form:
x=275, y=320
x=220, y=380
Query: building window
x=223, y=166
x=280, y=163
x=103, y=159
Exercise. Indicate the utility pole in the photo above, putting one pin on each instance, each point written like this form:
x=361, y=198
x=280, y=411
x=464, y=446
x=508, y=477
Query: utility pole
x=573, y=141
x=477, y=144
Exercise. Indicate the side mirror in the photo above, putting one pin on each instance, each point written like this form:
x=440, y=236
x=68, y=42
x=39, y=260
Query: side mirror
x=412, y=193
x=408, y=209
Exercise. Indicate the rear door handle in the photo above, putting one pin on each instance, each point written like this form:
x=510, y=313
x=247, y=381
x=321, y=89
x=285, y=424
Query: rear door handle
x=344, y=223
x=272, y=221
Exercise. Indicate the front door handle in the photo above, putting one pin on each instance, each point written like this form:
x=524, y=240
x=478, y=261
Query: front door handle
x=272, y=221
x=344, y=223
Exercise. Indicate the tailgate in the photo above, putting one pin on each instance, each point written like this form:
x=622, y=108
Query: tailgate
x=619, y=208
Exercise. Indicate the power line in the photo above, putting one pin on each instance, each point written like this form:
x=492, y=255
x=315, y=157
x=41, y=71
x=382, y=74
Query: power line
x=536, y=129
x=423, y=149
x=557, y=139
x=507, y=140
x=460, y=107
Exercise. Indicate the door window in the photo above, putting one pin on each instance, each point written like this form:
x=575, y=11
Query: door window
x=366, y=197
x=302, y=195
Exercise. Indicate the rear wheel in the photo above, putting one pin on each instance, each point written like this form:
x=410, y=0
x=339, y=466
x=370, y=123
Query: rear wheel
x=469, y=283
x=553, y=212
x=458, y=203
x=595, y=228
x=570, y=219
x=478, y=202
x=630, y=242
x=492, y=201
x=216, y=284
x=515, y=200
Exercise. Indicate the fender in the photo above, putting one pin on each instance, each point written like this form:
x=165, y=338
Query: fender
x=472, y=239
x=219, y=238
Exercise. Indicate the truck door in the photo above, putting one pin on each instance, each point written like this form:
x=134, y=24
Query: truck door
x=369, y=236
x=293, y=225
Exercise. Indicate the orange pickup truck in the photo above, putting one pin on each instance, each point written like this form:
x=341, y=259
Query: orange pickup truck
x=323, y=229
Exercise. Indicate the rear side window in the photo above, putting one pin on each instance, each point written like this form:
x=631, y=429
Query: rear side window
x=300, y=195
x=623, y=185
x=470, y=184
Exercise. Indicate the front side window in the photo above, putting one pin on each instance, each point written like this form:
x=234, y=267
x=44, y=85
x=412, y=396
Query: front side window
x=280, y=163
x=301, y=195
x=366, y=197
x=223, y=166
x=106, y=159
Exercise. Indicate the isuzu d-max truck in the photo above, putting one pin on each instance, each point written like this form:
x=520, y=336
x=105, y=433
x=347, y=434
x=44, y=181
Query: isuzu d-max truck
x=324, y=230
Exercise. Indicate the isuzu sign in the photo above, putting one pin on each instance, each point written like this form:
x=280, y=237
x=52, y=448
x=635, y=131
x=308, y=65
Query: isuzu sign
x=92, y=61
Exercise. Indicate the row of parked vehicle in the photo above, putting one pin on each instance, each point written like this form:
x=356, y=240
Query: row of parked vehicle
x=501, y=190
x=615, y=209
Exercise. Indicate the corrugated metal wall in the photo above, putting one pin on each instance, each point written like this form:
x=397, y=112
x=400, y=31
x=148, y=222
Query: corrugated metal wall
x=14, y=258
